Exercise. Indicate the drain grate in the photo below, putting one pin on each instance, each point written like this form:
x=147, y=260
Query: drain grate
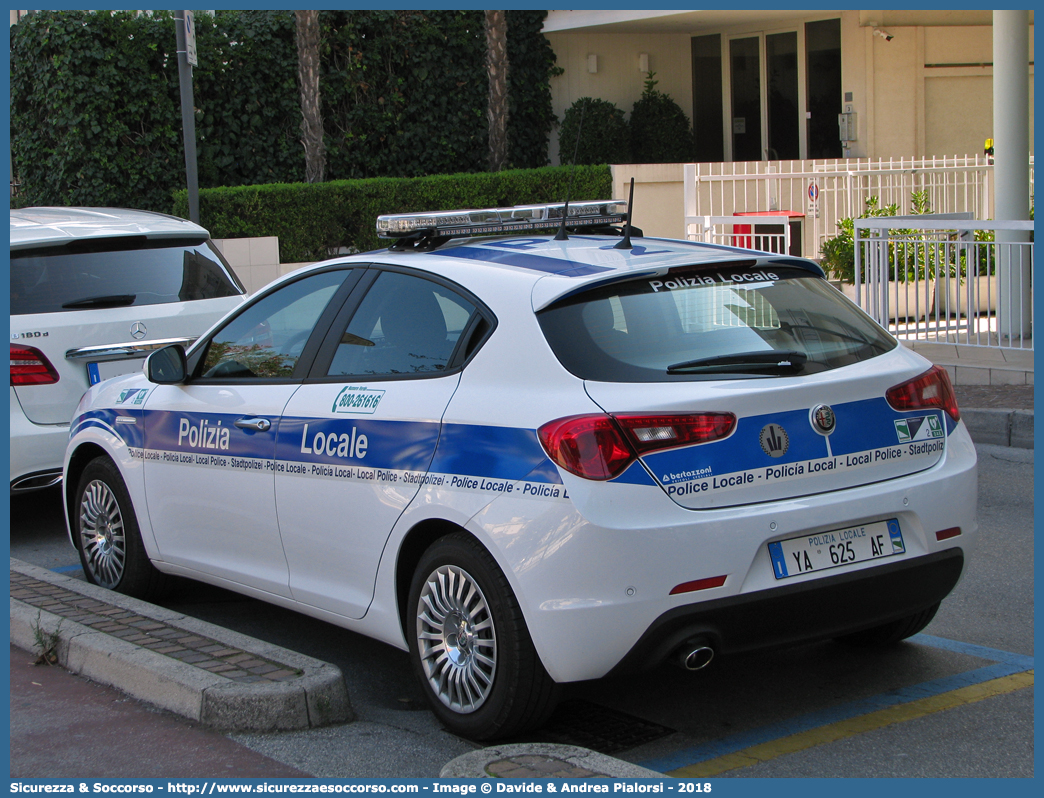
x=605, y=730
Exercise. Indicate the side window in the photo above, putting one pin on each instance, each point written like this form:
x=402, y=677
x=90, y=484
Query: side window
x=266, y=340
x=405, y=325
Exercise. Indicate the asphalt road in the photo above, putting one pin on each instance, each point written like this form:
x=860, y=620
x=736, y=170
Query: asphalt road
x=820, y=710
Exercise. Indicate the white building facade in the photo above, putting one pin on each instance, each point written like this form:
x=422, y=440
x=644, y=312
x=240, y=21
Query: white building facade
x=770, y=85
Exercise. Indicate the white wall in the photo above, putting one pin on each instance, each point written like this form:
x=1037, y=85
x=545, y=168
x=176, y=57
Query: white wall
x=618, y=79
x=255, y=260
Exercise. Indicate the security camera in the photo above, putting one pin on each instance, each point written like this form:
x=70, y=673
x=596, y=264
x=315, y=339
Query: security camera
x=883, y=34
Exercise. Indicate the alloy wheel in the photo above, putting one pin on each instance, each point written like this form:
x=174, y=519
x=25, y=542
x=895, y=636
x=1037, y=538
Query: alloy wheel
x=102, y=534
x=456, y=639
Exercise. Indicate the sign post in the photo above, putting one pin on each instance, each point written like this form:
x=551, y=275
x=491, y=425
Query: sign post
x=185, y=32
x=813, y=200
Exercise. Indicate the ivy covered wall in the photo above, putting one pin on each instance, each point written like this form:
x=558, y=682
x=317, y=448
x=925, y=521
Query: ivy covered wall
x=95, y=114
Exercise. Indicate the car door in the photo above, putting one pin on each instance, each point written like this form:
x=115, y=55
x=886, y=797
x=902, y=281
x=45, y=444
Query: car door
x=357, y=438
x=211, y=441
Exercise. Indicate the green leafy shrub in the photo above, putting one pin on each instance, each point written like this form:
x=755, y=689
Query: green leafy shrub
x=603, y=137
x=315, y=220
x=913, y=254
x=838, y=253
x=660, y=130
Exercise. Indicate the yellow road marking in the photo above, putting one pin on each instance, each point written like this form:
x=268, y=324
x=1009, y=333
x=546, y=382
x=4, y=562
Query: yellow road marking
x=852, y=726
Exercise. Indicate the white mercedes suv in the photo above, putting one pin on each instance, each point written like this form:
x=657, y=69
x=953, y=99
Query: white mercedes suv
x=93, y=291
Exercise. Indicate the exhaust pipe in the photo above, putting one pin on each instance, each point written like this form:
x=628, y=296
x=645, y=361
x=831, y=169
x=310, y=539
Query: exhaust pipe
x=695, y=655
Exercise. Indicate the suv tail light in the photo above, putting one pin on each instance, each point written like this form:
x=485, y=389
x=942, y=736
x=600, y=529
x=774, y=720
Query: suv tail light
x=29, y=366
x=599, y=446
x=931, y=390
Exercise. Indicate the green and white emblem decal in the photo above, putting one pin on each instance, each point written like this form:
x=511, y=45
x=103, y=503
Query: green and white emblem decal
x=922, y=428
x=137, y=394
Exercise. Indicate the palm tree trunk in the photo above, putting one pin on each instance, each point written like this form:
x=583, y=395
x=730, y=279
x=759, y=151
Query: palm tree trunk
x=311, y=106
x=497, y=68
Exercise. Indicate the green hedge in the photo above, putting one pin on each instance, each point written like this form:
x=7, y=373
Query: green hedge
x=316, y=220
x=96, y=119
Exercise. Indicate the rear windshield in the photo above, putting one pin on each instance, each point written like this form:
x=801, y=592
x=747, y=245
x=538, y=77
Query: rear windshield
x=703, y=323
x=109, y=273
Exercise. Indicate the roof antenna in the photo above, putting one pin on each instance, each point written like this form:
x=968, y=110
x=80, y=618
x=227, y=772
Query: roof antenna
x=561, y=235
x=626, y=242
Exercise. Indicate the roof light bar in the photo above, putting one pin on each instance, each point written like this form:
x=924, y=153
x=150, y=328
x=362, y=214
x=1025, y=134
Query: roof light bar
x=495, y=221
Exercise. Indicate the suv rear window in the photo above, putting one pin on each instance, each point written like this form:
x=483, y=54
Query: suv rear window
x=705, y=322
x=106, y=273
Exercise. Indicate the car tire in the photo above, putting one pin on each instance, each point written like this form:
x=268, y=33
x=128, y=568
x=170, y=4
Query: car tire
x=106, y=535
x=470, y=646
x=890, y=633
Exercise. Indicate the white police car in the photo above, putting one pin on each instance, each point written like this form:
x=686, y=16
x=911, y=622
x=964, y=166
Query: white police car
x=532, y=460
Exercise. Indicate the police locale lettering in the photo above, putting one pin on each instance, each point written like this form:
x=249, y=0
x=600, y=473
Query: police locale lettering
x=333, y=445
x=202, y=435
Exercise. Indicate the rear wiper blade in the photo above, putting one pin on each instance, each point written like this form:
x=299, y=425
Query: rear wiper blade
x=110, y=301
x=744, y=361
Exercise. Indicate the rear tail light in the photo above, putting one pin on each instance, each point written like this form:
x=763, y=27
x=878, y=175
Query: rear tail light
x=652, y=433
x=601, y=447
x=591, y=447
x=931, y=390
x=29, y=366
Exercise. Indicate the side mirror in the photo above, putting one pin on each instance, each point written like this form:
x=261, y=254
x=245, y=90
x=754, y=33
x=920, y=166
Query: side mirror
x=166, y=366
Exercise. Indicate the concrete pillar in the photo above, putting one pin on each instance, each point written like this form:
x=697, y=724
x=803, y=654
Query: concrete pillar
x=1011, y=167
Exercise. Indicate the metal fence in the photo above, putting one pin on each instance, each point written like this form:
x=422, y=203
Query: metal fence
x=817, y=194
x=766, y=232
x=958, y=281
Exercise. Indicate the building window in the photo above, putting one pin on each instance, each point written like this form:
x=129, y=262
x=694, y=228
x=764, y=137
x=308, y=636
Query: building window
x=706, y=98
x=823, y=95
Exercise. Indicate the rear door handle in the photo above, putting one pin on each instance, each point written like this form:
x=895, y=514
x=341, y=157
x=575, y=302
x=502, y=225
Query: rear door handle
x=256, y=424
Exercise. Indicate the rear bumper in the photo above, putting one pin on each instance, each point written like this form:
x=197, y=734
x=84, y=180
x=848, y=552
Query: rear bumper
x=594, y=581
x=804, y=612
x=37, y=450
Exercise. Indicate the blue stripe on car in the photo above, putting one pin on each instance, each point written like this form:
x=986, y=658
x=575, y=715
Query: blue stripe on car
x=500, y=452
x=525, y=260
x=489, y=451
x=861, y=426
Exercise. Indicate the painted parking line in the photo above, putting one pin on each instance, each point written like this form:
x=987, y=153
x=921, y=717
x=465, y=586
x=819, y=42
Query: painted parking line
x=67, y=569
x=1008, y=673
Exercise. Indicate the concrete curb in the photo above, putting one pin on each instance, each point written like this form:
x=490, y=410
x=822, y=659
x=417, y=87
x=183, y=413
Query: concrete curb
x=317, y=697
x=1000, y=427
x=541, y=760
